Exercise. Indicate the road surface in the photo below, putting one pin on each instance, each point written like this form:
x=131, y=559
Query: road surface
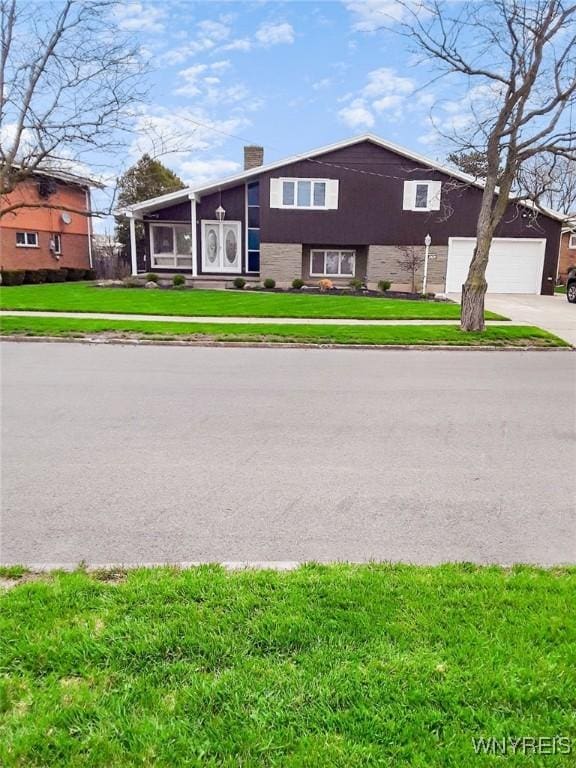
x=125, y=455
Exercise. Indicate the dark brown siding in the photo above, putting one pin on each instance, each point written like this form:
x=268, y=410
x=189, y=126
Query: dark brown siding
x=370, y=207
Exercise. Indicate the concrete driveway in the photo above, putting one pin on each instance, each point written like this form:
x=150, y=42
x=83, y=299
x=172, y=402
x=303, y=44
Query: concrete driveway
x=553, y=313
x=125, y=454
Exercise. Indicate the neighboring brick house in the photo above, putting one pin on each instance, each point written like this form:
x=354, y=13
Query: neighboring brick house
x=567, y=249
x=361, y=208
x=51, y=237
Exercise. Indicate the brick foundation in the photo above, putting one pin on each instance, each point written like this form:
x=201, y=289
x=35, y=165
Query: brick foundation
x=383, y=264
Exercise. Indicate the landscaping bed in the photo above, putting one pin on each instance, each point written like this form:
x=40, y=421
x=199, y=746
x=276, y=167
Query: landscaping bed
x=85, y=297
x=337, y=666
x=504, y=335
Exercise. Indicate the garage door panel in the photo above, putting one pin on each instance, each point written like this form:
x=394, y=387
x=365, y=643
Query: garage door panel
x=515, y=265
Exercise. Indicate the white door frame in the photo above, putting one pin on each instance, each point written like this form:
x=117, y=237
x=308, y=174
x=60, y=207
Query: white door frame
x=221, y=266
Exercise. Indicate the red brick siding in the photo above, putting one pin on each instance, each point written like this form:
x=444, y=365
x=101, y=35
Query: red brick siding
x=75, y=252
x=567, y=256
x=46, y=221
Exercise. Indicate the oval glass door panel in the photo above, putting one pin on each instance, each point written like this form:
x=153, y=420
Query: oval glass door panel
x=212, y=246
x=231, y=246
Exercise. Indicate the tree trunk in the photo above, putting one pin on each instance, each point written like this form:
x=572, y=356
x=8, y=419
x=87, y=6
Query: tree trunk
x=474, y=289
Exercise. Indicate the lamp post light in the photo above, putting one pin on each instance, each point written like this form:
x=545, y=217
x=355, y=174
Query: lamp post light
x=427, y=243
x=220, y=213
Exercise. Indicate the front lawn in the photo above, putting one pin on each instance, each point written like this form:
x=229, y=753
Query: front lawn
x=84, y=297
x=327, y=666
x=560, y=289
x=498, y=335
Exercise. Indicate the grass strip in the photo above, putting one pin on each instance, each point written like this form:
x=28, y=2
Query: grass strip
x=505, y=335
x=326, y=666
x=85, y=297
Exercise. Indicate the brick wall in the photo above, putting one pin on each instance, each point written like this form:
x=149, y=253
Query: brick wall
x=281, y=261
x=45, y=221
x=384, y=264
x=567, y=256
x=75, y=252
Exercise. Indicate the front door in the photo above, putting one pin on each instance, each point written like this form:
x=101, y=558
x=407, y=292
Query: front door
x=221, y=251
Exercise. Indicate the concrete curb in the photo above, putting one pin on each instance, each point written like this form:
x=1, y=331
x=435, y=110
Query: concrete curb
x=281, y=345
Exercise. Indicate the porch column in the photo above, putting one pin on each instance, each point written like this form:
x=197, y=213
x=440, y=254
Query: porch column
x=133, y=243
x=194, y=235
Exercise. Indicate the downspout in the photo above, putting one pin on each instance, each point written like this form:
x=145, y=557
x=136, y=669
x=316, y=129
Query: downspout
x=89, y=209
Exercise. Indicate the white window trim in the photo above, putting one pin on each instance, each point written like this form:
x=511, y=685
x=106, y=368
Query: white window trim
x=27, y=244
x=173, y=225
x=57, y=240
x=572, y=240
x=339, y=252
x=310, y=207
x=433, y=198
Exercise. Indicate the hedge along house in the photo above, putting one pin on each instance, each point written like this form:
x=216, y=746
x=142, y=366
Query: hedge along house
x=362, y=208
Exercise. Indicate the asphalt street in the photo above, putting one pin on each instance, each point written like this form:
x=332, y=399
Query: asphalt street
x=126, y=455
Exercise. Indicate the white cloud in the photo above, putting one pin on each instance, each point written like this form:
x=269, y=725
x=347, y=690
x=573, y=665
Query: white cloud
x=269, y=34
x=214, y=30
x=242, y=44
x=173, y=134
x=321, y=84
x=385, y=93
x=139, y=17
x=356, y=115
x=371, y=15
x=195, y=172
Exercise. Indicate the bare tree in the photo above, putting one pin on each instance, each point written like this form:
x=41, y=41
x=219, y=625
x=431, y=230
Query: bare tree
x=68, y=87
x=411, y=261
x=521, y=56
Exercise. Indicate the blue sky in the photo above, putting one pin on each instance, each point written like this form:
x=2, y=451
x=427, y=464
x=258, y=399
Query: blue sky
x=288, y=75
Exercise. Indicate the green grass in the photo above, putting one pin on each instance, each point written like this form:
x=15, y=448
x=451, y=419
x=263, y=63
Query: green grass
x=84, y=297
x=325, y=666
x=560, y=289
x=267, y=332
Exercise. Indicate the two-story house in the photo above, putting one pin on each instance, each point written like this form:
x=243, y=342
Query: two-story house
x=362, y=208
x=51, y=227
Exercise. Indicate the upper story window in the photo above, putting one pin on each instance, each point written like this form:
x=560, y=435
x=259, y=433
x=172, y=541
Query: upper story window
x=572, y=240
x=27, y=239
x=304, y=194
x=171, y=245
x=422, y=195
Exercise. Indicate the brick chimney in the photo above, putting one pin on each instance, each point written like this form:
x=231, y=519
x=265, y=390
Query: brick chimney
x=253, y=157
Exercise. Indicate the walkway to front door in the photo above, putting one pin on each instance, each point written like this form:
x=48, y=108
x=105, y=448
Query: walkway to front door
x=221, y=251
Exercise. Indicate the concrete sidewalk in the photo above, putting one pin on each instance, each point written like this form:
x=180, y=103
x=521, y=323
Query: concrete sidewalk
x=232, y=320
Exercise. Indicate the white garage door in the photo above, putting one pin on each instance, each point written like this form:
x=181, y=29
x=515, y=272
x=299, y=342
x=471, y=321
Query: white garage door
x=515, y=264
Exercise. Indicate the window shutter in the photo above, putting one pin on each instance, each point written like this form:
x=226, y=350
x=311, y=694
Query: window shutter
x=409, y=192
x=435, y=191
x=275, y=193
x=332, y=186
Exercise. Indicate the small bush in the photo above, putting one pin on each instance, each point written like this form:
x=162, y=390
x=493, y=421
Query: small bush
x=35, y=276
x=269, y=283
x=152, y=277
x=356, y=284
x=60, y=275
x=239, y=282
x=75, y=274
x=51, y=275
x=132, y=282
x=178, y=281
x=325, y=284
x=297, y=283
x=384, y=285
x=13, y=276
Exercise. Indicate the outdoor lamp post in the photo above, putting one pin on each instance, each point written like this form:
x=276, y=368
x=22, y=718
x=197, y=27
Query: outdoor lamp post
x=220, y=213
x=427, y=242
